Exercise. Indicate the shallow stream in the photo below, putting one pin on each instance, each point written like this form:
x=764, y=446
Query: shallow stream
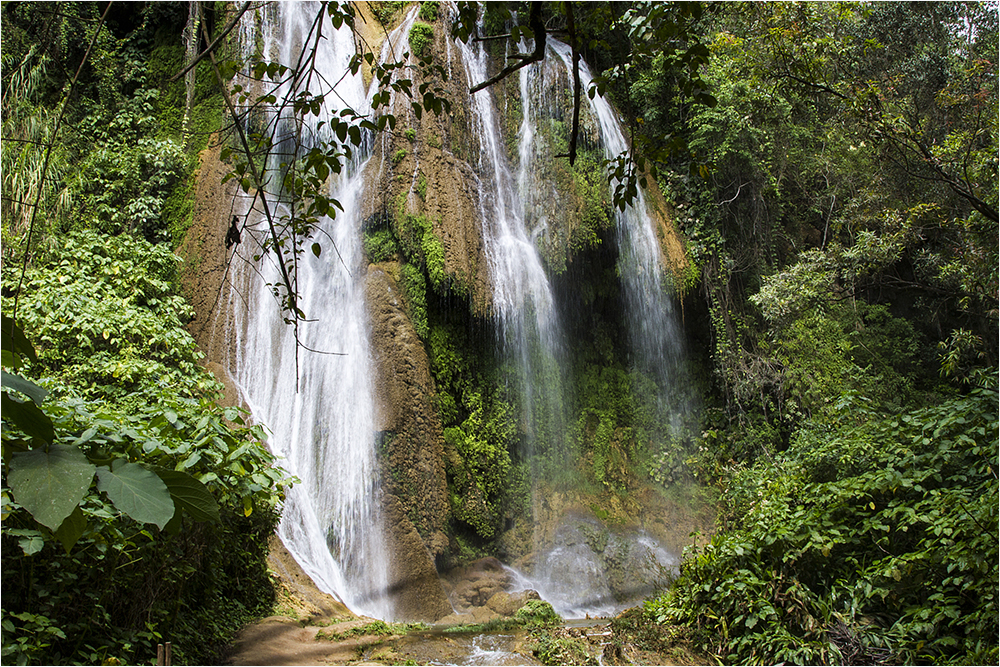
x=439, y=646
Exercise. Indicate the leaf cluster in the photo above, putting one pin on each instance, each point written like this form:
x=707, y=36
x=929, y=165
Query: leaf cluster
x=874, y=543
x=115, y=458
x=319, y=149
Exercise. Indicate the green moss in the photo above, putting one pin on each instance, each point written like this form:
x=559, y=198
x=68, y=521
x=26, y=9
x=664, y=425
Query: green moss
x=422, y=187
x=434, y=258
x=481, y=478
x=537, y=612
x=178, y=209
x=204, y=118
x=422, y=247
x=376, y=628
x=398, y=156
x=415, y=291
x=381, y=245
x=429, y=10
x=421, y=38
x=384, y=11
x=410, y=133
x=446, y=408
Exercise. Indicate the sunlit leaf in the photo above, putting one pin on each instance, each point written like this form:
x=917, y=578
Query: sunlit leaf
x=137, y=492
x=26, y=387
x=50, y=484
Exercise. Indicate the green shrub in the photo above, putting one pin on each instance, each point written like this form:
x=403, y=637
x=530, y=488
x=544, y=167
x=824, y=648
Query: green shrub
x=871, y=543
x=422, y=187
x=429, y=10
x=421, y=39
x=157, y=526
x=537, y=612
x=552, y=650
x=384, y=11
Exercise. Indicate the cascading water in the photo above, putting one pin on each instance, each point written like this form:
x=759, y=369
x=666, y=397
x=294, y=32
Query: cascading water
x=529, y=329
x=315, y=395
x=580, y=570
x=655, y=337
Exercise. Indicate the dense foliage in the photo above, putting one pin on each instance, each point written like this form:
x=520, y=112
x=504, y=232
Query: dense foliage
x=834, y=169
x=128, y=401
x=840, y=201
x=868, y=543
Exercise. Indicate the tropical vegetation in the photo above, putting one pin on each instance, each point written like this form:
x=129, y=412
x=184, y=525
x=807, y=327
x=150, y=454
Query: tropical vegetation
x=833, y=168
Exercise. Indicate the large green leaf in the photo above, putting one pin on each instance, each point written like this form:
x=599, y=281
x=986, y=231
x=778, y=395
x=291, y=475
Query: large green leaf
x=137, y=492
x=50, y=484
x=72, y=528
x=28, y=417
x=29, y=389
x=15, y=343
x=190, y=494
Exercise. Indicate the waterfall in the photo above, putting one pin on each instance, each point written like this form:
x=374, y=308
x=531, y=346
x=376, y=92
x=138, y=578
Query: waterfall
x=523, y=305
x=654, y=335
x=314, y=393
x=317, y=401
x=573, y=571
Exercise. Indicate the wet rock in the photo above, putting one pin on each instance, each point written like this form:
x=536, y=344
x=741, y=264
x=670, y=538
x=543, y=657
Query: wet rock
x=410, y=435
x=414, y=583
x=507, y=604
x=474, y=584
x=474, y=615
x=298, y=595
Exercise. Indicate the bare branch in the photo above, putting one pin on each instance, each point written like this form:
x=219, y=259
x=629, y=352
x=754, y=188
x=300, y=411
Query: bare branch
x=571, y=26
x=211, y=47
x=524, y=59
x=258, y=184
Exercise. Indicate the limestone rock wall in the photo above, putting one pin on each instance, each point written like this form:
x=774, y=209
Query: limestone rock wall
x=425, y=168
x=409, y=429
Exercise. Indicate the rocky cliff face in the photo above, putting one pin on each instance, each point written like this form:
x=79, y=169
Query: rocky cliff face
x=425, y=250
x=424, y=187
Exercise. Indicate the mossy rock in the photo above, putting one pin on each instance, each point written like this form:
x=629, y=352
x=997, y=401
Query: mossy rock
x=537, y=612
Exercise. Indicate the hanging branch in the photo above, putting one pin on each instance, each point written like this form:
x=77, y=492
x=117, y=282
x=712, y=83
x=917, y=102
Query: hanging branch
x=523, y=59
x=48, y=154
x=258, y=185
x=540, y=33
x=571, y=28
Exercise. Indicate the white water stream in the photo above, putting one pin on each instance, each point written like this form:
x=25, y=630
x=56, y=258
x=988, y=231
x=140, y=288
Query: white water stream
x=572, y=572
x=317, y=400
x=654, y=333
x=529, y=330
